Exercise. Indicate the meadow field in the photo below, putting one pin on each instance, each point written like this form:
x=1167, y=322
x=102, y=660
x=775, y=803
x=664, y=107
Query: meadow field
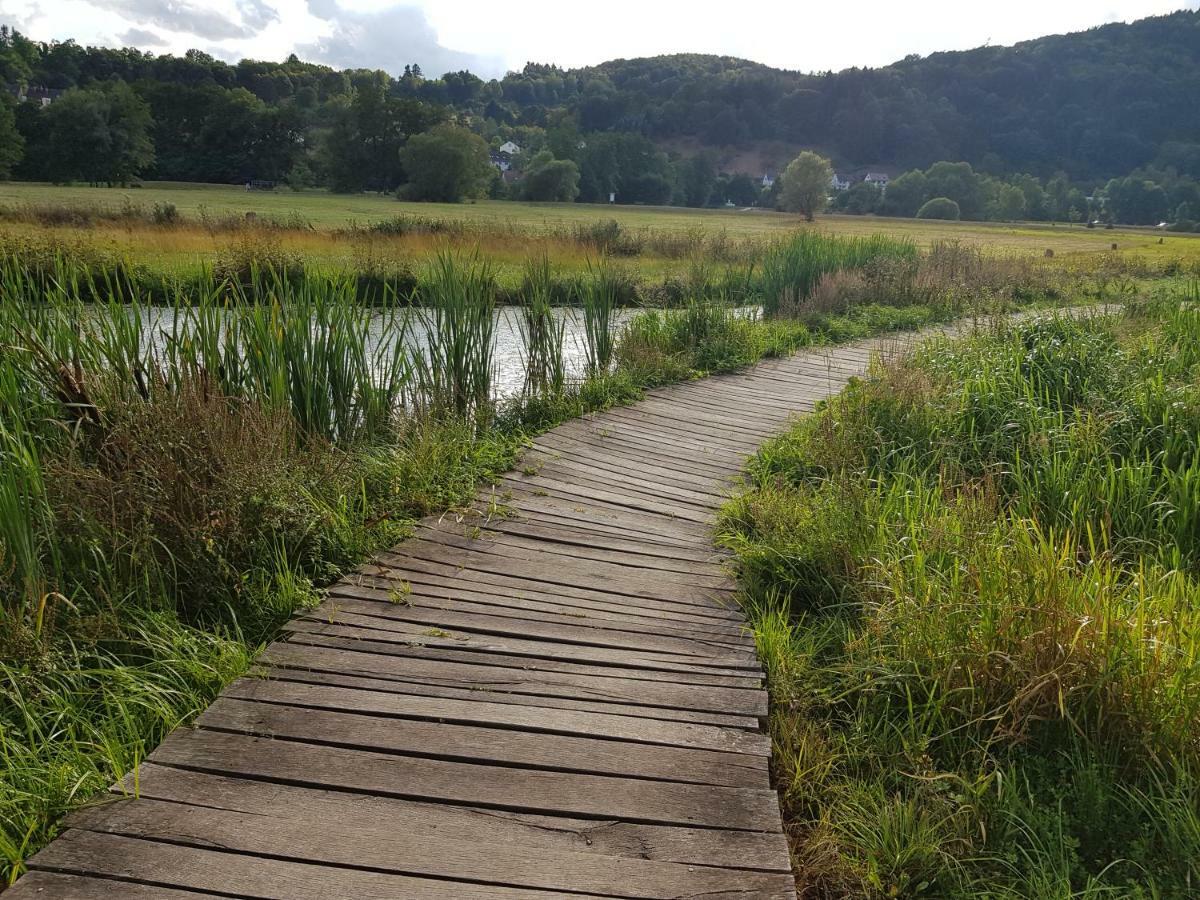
x=178, y=228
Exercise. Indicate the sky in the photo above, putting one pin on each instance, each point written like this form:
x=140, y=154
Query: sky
x=490, y=37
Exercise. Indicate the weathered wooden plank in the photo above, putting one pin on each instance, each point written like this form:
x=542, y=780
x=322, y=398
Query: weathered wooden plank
x=678, y=429
x=591, y=512
x=611, y=445
x=706, y=573
x=393, y=636
x=615, y=495
x=311, y=673
x=704, y=464
x=675, y=443
x=390, y=847
x=541, y=564
x=669, y=619
x=504, y=832
x=520, y=790
x=555, y=678
x=426, y=571
x=703, y=493
x=80, y=887
x=550, y=579
x=537, y=527
x=580, y=629
x=193, y=868
x=527, y=607
x=728, y=743
x=496, y=734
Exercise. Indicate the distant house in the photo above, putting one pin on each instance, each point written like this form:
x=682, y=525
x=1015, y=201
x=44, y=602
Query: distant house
x=879, y=179
x=500, y=161
x=42, y=96
x=768, y=180
x=838, y=183
x=509, y=148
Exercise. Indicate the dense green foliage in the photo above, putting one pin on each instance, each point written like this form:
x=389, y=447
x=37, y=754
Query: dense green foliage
x=1146, y=197
x=1061, y=102
x=12, y=142
x=973, y=579
x=1096, y=105
x=446, y=164
x=550, y=179
x=806, y=184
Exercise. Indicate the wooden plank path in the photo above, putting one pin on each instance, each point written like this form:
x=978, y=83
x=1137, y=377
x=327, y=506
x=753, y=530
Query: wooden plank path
x=549, y=695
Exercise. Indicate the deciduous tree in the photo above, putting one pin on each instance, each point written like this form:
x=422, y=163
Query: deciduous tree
x=806, y=183
x=12, y=144
x=100, y=135
x=447, y=164
x=549, y=179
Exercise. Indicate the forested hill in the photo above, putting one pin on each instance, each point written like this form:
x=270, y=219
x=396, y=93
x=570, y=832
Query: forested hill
x=1092, y=105
x=1095, y=104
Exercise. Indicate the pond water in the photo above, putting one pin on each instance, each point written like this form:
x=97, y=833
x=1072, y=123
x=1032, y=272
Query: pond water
x=507, y=349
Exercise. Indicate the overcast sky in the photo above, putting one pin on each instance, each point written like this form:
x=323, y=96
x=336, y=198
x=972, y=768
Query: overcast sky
x=492, y=36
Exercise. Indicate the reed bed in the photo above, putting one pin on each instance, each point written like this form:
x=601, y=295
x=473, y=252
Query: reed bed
x=974, y=581
x=542, y=333
x=599, y=296
x=455, y=368
x=791, y=269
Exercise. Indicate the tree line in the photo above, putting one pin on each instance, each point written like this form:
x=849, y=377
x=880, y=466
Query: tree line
x=1147, y=196
x=1112, y=117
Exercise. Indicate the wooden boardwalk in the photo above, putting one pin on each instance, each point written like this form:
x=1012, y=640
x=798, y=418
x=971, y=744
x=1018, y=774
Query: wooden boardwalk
x=552, y=696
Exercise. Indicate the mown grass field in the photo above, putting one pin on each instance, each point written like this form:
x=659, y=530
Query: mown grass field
x=508, y=232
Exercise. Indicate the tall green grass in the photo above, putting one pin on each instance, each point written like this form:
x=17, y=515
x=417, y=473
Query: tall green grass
x=542, y=333
x=455, y=369
x=974, y=580
x=791, y=269
x=599, y=297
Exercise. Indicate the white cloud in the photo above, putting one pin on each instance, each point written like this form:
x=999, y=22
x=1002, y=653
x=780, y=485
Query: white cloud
x=140, y=37
x=200, y=19
x=388, y=38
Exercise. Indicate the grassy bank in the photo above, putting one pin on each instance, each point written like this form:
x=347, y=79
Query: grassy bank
x=973, y=578
x=165, y=234
x=167, y=500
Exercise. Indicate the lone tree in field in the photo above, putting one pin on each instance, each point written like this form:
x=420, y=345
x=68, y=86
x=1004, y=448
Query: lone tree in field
x=806, y=183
